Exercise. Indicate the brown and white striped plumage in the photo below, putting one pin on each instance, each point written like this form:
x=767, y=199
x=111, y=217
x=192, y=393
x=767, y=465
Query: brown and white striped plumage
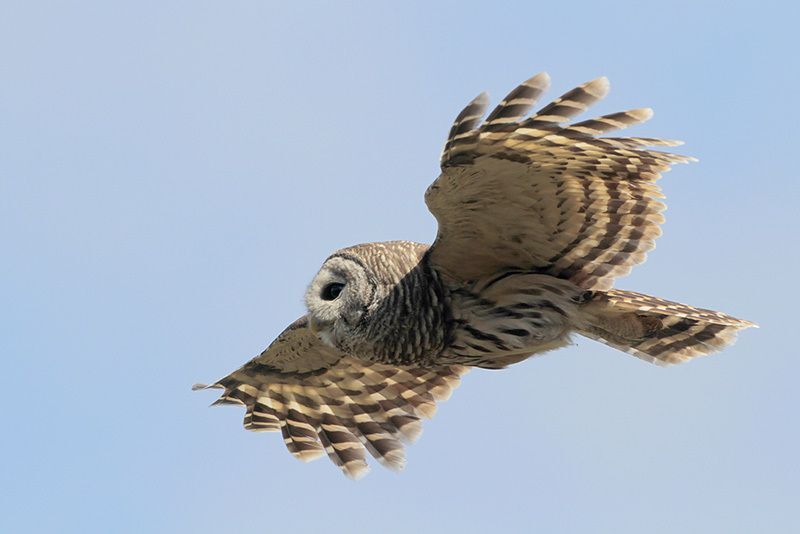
x=534, y=194
x=664, y=332
x=536, y=220
x=324, y=401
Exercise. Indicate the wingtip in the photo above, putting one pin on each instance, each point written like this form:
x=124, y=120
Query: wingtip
x=357, y=471
x=393, y=460
x=310, y=455
x=540, y=80
x=671, y=142
x=427, y=410
x=482, y=99
x=643, y=114
x=599, y=87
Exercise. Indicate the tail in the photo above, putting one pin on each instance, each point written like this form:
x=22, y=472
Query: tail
x=657, y=330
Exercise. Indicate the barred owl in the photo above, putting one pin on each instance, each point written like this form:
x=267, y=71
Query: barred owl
x=536, y=219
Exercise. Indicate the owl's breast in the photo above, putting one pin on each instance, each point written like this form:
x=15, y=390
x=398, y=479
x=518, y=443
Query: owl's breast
x=410, y=324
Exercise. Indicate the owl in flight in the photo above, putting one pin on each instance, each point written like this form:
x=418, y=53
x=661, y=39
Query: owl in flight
x=536, y=218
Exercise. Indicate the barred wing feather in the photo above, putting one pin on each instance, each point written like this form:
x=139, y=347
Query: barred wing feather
x=532, y=193
x=326, y=402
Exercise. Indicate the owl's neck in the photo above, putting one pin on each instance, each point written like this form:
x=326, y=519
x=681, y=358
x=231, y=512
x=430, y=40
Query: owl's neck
x=410, y=324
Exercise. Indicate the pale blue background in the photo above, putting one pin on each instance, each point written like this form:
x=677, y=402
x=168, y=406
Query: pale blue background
x=173, y=173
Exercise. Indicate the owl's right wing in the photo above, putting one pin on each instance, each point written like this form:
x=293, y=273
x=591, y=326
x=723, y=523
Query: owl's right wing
x=532, y=193
x=324, y=401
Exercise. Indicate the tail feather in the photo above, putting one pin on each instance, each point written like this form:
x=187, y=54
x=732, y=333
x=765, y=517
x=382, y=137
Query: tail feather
x=657, y=330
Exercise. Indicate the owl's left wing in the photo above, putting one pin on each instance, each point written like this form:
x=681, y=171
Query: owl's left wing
x=324, y=401
x=532, y=193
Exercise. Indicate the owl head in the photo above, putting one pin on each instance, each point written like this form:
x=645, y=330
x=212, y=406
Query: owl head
x=338, y=298
x=344, y=300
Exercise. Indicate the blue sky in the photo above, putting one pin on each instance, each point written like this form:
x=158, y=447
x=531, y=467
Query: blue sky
x=172, y=174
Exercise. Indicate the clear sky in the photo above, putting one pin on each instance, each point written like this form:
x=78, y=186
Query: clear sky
x=172, y=174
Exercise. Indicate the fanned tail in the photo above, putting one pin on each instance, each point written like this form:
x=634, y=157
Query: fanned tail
x=657, y=330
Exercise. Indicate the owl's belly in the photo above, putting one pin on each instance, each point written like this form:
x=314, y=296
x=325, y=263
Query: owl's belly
x=508, y=318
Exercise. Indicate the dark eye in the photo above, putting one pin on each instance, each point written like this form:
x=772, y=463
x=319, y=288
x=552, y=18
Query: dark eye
x=331, y=291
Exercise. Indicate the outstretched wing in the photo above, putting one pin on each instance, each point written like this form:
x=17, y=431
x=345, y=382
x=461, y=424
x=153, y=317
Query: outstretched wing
x=324, y=401
x=531, y=193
